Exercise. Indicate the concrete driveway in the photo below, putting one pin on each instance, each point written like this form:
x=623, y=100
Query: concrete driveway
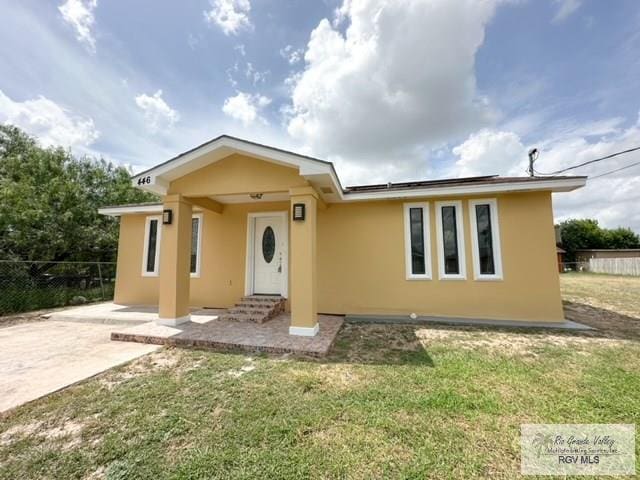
x=41, y=357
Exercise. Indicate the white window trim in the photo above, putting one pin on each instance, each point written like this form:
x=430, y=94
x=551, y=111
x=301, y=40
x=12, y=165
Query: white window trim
x=460, y=231
x=495, y=239
x=196, y=274
x=427, y=241
x=145, y=249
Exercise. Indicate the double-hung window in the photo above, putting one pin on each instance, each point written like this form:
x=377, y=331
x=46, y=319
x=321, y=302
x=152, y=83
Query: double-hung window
x=417, y=241
x=151, y=251
x=451, y=257
x=485, y=238
x=196, y=241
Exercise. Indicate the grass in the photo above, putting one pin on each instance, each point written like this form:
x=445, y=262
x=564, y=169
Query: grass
x=389, y=402
x=618, y=293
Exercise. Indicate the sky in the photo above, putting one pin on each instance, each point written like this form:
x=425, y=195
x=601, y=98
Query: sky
x=388, y=90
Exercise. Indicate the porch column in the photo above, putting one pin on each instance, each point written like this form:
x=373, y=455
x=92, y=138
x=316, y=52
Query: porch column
x=303, y=292
x=175, y=251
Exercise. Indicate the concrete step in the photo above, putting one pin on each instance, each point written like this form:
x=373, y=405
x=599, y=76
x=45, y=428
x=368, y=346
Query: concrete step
x=255, y=308
x=263, y=298
x=243, y=317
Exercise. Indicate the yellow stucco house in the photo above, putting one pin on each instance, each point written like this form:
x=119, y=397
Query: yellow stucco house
x=241, y=219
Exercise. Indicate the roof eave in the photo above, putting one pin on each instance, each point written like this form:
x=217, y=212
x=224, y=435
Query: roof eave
x=553, y=185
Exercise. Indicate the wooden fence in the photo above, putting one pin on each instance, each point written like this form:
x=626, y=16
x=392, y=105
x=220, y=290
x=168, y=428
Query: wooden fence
x=615, y=266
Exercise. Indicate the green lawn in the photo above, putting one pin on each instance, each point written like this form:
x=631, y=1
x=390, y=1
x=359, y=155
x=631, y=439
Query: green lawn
x=389, y=402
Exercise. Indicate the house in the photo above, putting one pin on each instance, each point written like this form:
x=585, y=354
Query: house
x=585, y=254
x=240, y=219
x=560, y=252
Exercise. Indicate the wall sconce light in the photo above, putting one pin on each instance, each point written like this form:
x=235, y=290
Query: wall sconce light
x=298, y=211
x=167, y=217
x=256, y=196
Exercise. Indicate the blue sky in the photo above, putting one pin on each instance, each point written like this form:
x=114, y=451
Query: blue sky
x=388, y=90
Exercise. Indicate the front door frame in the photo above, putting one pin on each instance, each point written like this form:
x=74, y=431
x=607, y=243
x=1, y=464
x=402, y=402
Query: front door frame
x=249, y=260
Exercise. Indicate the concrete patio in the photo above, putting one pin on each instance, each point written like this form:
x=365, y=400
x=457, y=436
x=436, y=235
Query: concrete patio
x=206, y=329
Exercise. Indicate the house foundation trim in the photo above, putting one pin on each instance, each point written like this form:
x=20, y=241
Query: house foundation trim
x=173, y=322
x=304, y=331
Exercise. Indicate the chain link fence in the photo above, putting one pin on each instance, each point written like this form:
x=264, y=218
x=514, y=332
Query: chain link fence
x=567, y=267
x=27, y=285
x=607, y=266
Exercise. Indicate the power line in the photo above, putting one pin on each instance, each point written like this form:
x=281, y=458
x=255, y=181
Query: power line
x=590, y=162
x=614, y=171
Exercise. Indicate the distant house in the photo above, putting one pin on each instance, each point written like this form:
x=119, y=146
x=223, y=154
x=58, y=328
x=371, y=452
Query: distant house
x=621, y=261
x=560, y=253
x=584, y=255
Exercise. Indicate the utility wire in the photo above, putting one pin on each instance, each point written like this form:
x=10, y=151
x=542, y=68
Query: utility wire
x=590, y=162
x=614, y=171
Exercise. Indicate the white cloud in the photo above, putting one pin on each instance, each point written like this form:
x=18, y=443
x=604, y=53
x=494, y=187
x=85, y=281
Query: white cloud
x=292, y=55
x=255, y=76
x=240, y=49
x=231, y=16
x=401, y=77
x=489, y=152
x=52, y=124
x=612, y=199
x=79, y=14
x=246, y=107
x=565, y=9
x=158, y=114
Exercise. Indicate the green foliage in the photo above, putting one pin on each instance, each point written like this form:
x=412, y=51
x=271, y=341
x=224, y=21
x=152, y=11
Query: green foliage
x=49, y=202
x=586, y=233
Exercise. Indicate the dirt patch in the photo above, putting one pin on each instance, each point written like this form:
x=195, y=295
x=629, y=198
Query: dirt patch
x=70, y=432
x=341, y=376
x=167, y=358
x=17, y=432
x=614, y=293
x=238, y=372
x=608, y=323
x=510, y=343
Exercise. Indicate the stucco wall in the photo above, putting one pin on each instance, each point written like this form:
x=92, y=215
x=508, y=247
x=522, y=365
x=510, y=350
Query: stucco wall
x=361, y=263
x=222, y=268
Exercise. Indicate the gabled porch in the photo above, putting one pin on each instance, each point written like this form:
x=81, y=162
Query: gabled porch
x=232, y=203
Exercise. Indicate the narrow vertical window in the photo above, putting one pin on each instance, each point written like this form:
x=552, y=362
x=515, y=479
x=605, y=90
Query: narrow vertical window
x=485, y=243
x=152, y=245
x=450, y=241
x=416, y=224
x=151, y=253
x=196, y=237
x=487, y=263
x=451, y=258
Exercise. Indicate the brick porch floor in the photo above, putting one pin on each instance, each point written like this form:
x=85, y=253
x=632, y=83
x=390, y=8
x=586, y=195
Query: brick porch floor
x=272, y=336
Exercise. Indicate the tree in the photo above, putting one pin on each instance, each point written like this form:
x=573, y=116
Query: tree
x=621, y=238
x=586, y=233
x=49, y=202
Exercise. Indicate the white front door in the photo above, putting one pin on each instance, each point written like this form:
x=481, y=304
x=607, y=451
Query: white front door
x=268, y=244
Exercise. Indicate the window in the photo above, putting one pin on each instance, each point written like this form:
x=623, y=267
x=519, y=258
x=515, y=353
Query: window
x=151, y=253
x=451, y=258
x=196, y=241
x=485, y=237
x=417, y=241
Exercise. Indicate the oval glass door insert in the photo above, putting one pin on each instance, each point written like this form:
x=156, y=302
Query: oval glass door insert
x=268, y=244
